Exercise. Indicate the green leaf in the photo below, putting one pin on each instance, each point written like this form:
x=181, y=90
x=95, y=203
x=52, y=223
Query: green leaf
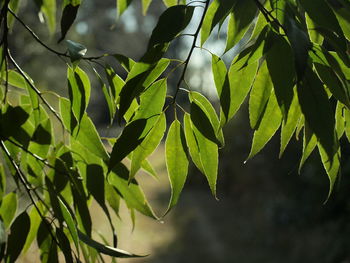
x=35, y=220
x=324, y=17
x=125, y=62
x=192, y=143
x=210, y=113
x=148, y=145
x=317, y=110
x=68, y=119
x=108, y=97
x=130, y=191
x=145, y=6
x=270, y=122
x=122, y=5
x=79, y=91
x=289, y=126
x=241, y=18
x=241, y=77
x=3, y=236
x=172, y=21
x=107, y=250
x=201, y=146
x=71, y=224
x=309, y=144
x=282, y=72
x=340, y=119
x=48, y=8
x=15, y=79
x=331, y=165
x=2, y=181
x=217, y=12
x=169, y=3
x=69, y=14
x=17, y=238
x=176, y=161
x=88, y=137
x=259, y=95
x=8, y=208
x=140, y=78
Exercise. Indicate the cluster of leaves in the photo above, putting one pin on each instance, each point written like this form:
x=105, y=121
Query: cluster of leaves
x=293, y=65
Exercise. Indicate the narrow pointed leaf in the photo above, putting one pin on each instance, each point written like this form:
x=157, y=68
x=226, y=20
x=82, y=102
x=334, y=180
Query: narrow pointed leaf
x=176, y=161
x=8, y=208
x=309, y=144
x=269, y=124
x=68, y=16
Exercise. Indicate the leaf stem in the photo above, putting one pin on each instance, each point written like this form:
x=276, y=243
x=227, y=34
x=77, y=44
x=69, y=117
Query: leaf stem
x=186, y=62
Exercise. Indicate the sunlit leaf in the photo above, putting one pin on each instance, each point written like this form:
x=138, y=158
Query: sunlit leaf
x=8, y=208
x=176, y=161
x=309, y=144
x=270, y=122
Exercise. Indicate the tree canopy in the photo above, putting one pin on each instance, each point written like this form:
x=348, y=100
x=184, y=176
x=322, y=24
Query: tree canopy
x=291, y=64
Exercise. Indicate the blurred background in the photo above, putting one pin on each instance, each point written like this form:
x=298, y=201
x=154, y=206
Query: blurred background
x=267, y=212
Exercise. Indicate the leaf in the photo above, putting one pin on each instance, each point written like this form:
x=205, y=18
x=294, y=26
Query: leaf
x=210, y=113
x=8, y=208
x=331, y=165
x=289, y=126
x=79, y=91
x=107, y=250
x=169, y=3
x=282, y=72
x=64, y=245
x=217, y=12
x=68, y=119
x=71, y=224
x=2, y=181
x=88, y=137
x=130, y=191
x=317, y=110
x=192, y=143
x=48, y=8
x=219, y=73
x=140, y=78
x=145, y=6
x=241, y=77
x=270, y=122
x=122, y=5
x=125, y=62
x=148, y=145
x=176, y=161
x=324, y=17
x=300, y=44
x=309, y=144
x=76, y=51
x=171, y=22
x=340, y=119
x=69, y=14
x=35, y=220
x=17, y=238
x=131, y=137
x=3, y=236
x=203, y=151
x=259, y=95
x=241, y=18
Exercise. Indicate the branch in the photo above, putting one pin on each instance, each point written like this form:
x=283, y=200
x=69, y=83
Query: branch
x=195, y=36
x=58, y=53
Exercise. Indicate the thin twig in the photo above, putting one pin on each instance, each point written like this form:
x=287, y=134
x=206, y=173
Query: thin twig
x=191, y=50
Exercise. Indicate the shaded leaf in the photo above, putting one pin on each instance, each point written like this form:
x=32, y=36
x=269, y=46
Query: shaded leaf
x=69, y=14
x=17, y=238
x=309, y=144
